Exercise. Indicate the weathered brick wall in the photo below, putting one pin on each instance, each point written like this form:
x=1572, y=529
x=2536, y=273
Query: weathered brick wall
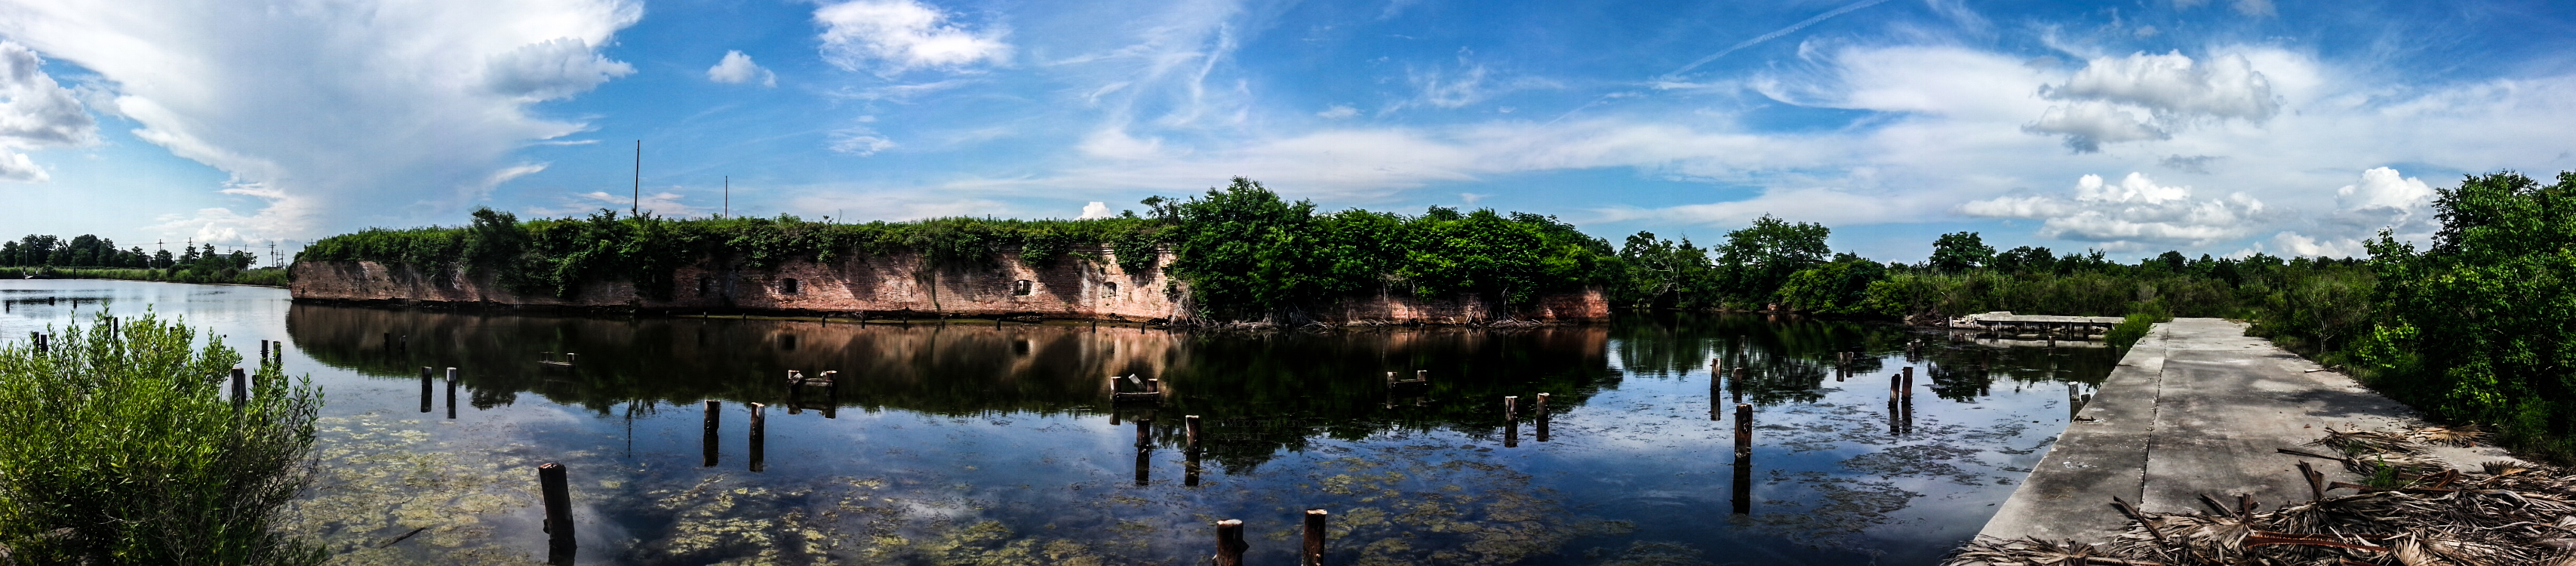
x=896, y=282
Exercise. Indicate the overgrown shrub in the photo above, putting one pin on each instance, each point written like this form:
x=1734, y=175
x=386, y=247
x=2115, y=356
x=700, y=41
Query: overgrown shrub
x=121, y=447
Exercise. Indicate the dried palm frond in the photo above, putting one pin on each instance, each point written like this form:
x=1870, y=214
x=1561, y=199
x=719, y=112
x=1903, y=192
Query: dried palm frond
x=2359, y=443
x=2505, y=514
x=2463, y=435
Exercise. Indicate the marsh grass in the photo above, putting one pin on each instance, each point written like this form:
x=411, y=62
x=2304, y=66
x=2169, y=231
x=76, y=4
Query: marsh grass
x=120, y=445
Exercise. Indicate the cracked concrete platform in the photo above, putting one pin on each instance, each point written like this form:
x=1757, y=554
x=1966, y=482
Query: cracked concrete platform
x=2197, y=407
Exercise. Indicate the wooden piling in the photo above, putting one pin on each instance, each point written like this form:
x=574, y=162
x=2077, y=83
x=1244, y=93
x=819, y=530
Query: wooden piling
x=1542, y=417
x=1314, y=552
x=1909, y=382
x=1190, y=429
x=1737, y=384
x=1742, y=501
x=263, y=350
x=708, y=442
x=1743, y=429
x=558, y=501
x=1154, y=386
x=1229, y=543
x=1190, y=452
x=241, y=388
x=451, y=393
x=759, y=439
x=1422, y=375
x=1512, y=408
x=424, y=390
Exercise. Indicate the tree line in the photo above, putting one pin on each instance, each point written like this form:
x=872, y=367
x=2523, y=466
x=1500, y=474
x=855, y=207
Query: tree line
x=89, y=250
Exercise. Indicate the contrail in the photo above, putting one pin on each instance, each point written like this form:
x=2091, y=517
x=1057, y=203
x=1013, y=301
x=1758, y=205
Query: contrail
x=1793, y=28
x=1757, y=40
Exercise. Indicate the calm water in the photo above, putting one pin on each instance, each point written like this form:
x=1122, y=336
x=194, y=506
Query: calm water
x=972, y=444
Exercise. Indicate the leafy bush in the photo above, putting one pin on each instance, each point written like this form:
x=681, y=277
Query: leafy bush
x=121, y=448
x=2131, y=329
x=2481, y=326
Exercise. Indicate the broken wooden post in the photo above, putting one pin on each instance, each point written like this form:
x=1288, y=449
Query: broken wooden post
x=1909, y=382
x=759, y=439
x=1229, y=543
x=708, y=442
x=1737, y=384
x=1314, y=552
x=1154, y=386
x=1542, y=417
x=241, y=388
x=263, y=351
x=1190, y=429
x=1743, y=429
x=451, y=393
x=1511, y=421
x=424, y=390
x=558, y=501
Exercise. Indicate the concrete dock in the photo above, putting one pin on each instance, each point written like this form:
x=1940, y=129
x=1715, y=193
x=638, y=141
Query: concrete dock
x=2197, y=407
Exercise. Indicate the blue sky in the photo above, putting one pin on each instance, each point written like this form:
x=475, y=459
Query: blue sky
x=2210, y=126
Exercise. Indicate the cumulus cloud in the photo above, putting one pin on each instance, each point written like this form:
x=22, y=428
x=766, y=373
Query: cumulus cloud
x=737, y=68
x=552, y=69
x=322, y=112
x=2089, y=124
x=35, y=112
x=2172, y=89
x=2382, y=199
x=901, y=35
x=2134, y=211
x=1096, y=209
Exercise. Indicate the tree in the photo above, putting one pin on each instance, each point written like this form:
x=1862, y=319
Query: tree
x=1246, y=252
x=1841, y=287
x=1960, y=251
x=1757, y=259
x=2478, y=323
x=2026, y=259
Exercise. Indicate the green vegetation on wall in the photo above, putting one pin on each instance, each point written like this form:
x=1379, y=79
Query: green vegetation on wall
x=1244, y=252
x=121, y=447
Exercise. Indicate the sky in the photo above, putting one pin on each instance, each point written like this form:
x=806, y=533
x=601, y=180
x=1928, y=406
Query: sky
x=2222, y=127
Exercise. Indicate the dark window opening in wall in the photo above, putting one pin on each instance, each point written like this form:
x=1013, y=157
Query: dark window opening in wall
x=1020, y=347
x=787, y=287
x=1022, y=287
x=703, y=283
x=1109, y=291
x=787, y=342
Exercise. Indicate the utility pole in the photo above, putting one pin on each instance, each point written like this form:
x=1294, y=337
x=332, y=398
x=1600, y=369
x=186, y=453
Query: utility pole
x=728, y=199
x=638, y=202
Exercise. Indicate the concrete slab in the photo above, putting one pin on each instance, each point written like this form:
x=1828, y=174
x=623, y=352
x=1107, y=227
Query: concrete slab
x=2196, y=408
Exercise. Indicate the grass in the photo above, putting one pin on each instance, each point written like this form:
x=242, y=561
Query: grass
x=119, y=445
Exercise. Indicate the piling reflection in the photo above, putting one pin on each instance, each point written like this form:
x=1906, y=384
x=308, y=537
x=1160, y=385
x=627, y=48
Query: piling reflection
x=1300, y=386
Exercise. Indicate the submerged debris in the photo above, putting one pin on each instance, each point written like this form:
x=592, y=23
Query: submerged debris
x=2412, y=510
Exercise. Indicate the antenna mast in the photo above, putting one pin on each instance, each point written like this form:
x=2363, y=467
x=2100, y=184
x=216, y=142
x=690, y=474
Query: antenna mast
x=633, y=205
x=728, y=202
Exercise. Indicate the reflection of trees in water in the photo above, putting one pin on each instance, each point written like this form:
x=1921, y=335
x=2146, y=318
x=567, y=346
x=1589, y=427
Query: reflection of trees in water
x=1258, y=393
x=1788, y=358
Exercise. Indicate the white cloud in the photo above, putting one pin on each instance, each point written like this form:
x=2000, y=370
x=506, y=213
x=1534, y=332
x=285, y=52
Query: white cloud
x=2384, y=188
x=2255, y=8
x=552, y=69
x=2172, y=89
x=2134, y=211
x=860, y=141
x=737, y=68
x=35, y=112
x=2089, y=124
x=403, y=111
x=1337, y=112
x=2294, y=243
x=1096, y=209
x=900, y=35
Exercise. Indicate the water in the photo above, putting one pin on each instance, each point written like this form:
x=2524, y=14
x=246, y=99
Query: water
x=972, y=444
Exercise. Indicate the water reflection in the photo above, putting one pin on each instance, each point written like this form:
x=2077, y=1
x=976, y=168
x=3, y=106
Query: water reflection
x=975, y=444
